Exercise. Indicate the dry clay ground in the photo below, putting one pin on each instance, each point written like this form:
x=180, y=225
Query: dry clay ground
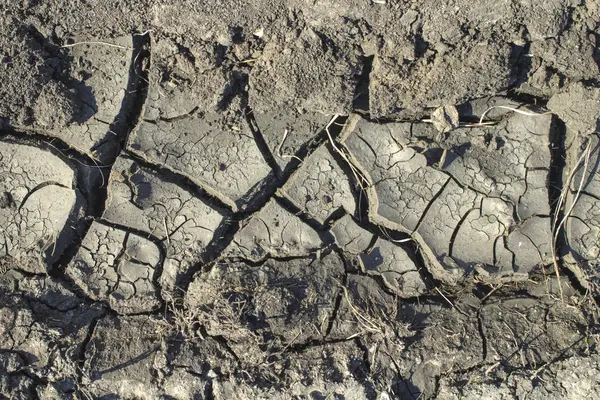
x=239, y=200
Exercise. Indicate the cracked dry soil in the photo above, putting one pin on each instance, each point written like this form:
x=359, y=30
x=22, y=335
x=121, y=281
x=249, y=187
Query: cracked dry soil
x=248, y=200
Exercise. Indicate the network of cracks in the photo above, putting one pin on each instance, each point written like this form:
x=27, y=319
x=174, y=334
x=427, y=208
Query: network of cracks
x=150, y=252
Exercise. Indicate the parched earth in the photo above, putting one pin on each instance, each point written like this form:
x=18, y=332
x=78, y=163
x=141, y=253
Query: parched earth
x=282, y=199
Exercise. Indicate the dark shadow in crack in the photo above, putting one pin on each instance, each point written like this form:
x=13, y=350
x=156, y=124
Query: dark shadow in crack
x=70, y=234
x=87, y=102
x=235, y=87
x=596, y=53
x=520, y=65
x=361, y=93
x=130, y=112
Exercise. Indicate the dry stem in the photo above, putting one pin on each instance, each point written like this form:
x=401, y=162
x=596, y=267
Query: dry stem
x=556, y=226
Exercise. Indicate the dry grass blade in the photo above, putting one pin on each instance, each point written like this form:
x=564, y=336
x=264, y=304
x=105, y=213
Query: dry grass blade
x=367, y=325
x=279, y=153
x=96, y=165
x=167, y=231
x=469, y=125
x=451, y=303
x=558, y=226
x=360, y=178
x=522, y=112
x=117, y=46
x=389, y=238
x=144, y=33
x=460, y=124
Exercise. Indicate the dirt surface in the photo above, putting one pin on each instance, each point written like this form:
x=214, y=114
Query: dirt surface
x=281, y=199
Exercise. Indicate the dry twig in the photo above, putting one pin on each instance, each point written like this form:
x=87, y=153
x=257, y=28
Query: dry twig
x=117, y=46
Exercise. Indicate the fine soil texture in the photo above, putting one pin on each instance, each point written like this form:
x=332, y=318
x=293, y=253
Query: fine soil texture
x=291, y=199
